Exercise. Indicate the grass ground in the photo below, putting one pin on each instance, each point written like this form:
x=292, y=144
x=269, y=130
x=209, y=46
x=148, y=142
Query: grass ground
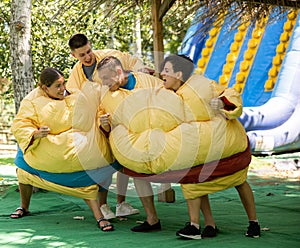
x=274, y=180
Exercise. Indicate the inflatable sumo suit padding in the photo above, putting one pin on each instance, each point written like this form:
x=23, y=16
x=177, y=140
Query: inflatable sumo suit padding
x=87, y=192
x=75, y=142
x=129, y=62
x=156, y=131
x=111, y=100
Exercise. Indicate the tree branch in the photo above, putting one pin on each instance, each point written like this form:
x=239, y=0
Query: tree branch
x=166, y=5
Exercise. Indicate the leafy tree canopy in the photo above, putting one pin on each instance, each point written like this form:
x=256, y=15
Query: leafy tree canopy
x=108, y=24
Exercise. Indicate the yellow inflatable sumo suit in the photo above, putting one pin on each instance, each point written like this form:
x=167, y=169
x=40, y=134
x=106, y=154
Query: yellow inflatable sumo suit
x=157, y=133
x=75, y=143
x=77, y=76
x=111, y=101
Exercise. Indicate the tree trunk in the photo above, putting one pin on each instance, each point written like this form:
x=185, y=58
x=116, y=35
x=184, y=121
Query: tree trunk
x=20, y=49
x=138, y=35
x=158, y=45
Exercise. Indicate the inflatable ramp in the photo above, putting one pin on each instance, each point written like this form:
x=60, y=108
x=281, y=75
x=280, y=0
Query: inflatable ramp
x=262, y=62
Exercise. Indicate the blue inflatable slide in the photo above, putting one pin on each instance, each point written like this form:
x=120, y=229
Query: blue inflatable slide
x=262, y=62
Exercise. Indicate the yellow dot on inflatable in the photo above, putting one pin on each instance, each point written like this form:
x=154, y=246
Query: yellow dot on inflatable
x=269, y=84
x=244, y=66
x=284, y=37
x=226, y=69
x=223, y=80
x=280, y=48
x=231, y=58
x=238, y=37
x=248, y=55
x=252, y=44
x=273, y=72
x=205, y=52
x=201, y=63
x=209, y=43
x=288, y=26
x=242, y=28
x=234, y=47
x=213, y=32
x=292, y=15
x=277, y=60
x=257, y=34
x=240, y=77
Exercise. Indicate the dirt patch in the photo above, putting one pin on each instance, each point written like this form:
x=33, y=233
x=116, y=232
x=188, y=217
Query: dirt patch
x=275, y=169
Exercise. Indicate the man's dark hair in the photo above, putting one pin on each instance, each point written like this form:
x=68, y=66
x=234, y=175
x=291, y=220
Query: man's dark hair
x=77, y=40
x=181, y=63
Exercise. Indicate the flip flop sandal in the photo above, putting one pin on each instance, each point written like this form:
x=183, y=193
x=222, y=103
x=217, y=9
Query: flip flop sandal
x=104, y=226
x=19, y=213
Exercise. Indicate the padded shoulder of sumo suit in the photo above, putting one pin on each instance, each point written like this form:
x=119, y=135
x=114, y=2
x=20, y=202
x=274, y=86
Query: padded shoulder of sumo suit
x=75, y=142
x=158, y=131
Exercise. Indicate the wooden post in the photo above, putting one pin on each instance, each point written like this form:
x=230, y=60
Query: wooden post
x=158, y=45
x=165, y=193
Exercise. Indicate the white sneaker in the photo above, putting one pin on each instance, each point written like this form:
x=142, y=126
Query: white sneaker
x=124, y=209
x=106, y=211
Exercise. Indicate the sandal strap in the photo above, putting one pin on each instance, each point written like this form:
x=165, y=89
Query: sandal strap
x=21, y=209
x=19, y=213
x=106, y=225
x=101, y=219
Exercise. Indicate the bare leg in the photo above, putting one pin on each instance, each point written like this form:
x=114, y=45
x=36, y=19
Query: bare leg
x=26, y=191
x=194, y=210
x=94, y=207
x=206, y=211
x=192, y=229
x=93, y=204
x=102, y=195
x=247, y=198
x=145, y=192
x=25, y=194
x=122, y=183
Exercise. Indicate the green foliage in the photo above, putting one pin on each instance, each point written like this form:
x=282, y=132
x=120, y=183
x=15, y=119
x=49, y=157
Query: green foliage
x=176, y=22
x=55, y=22
x=7, y=161
x=6, y=91
x=4, y=39
x=108, y=24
